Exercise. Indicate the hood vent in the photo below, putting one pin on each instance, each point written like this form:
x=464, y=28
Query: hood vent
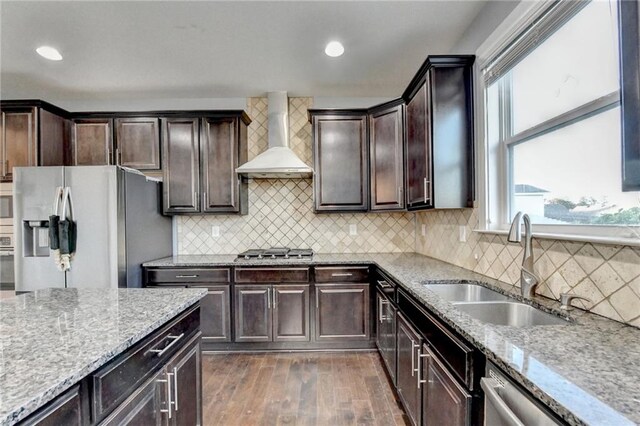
x=278, y=161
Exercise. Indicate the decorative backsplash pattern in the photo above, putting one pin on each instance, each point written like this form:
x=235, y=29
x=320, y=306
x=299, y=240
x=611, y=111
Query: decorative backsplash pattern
x=608, y=275
x=281, y=210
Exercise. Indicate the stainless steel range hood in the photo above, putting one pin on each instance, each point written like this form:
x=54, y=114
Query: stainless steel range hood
x=278, y=161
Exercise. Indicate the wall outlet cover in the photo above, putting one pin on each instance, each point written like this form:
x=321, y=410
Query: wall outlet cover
x=462, y=234
x=353, y=229
x=215, y=231
x=424, y=229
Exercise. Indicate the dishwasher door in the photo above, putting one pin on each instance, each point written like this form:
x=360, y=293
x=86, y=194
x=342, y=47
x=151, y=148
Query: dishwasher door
x=507, y=404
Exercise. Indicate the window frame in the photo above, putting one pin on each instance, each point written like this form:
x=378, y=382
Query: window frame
x=493, y=167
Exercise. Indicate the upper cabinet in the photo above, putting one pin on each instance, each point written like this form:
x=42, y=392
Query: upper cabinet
x=200, y=155
x=138, y=142
x=386, y=156
x=32, y=133
x=92, y=142
x=629, y=27
x=439, y=144
x=340, y=159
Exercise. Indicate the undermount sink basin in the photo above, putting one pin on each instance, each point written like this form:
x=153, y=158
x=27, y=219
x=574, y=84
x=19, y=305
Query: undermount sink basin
x=465, y=293
x=513, y=314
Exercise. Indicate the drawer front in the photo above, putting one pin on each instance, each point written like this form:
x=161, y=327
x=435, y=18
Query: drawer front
x=458, y=356
x=272, y=275
x=190, y=275
x=66, y=409
x=336, y=274
x=113, y=382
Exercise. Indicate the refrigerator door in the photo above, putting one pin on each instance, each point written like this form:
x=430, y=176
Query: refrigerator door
x=33, y=196
x=95, y=195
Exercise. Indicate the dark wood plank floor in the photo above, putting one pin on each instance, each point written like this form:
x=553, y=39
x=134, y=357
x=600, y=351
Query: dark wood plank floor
x=303, y=388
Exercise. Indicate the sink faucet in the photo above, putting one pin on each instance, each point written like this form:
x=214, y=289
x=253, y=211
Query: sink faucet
x=528, y=279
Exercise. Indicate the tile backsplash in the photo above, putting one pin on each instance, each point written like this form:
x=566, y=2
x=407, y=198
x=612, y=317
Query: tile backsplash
x=281, y=210
x=608, y=275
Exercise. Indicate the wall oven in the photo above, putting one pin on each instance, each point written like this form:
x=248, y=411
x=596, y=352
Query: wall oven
x=6, y=204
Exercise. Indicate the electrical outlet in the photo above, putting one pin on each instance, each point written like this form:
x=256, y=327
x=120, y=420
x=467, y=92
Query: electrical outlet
x=215, y=231
x=424, y=230
x=353, y=229
x=462, y=234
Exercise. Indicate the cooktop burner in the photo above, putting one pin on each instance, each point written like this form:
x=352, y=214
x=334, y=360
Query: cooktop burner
x=276, y=253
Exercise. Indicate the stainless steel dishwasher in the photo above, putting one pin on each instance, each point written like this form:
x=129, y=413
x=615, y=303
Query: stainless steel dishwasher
x=508, y=404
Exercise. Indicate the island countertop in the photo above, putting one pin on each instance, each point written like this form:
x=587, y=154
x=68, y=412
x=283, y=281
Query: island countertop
x=587, y=371
x=51, y=339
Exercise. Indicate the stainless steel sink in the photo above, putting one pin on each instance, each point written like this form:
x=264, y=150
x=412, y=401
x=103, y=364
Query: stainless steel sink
x=513, y=314
x=465, y=293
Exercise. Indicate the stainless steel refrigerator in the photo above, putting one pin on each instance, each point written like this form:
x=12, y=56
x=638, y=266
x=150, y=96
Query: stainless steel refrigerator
x=119, y=224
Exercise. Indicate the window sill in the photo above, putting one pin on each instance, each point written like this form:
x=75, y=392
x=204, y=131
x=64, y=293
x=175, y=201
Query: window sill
x=635, y=242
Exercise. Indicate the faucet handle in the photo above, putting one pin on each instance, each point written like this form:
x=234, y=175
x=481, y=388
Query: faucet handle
x=567, y=298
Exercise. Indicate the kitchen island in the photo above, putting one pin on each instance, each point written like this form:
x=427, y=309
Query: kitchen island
x=83, y=356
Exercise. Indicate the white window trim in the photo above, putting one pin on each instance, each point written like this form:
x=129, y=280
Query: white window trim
x=491, y=190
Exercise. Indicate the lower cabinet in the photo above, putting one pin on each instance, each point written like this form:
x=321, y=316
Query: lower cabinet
x=271, y=313
x=215, y=316
x=408, y=383
x=67, y=409
x=144, y=407
x=342, y=312
x=386, y=336
x=444, y=401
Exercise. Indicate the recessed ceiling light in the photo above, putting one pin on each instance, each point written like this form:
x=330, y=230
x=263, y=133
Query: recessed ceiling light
x=334, y=49
x=49, y=52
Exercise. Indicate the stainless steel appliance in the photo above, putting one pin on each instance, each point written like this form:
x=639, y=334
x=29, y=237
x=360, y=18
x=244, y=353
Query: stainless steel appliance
x=507, y=404
x=6, y=204
x=7, y=276
x=119, y=226
x=275, y=253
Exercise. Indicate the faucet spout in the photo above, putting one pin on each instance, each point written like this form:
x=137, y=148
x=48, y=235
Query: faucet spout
x=528, y=279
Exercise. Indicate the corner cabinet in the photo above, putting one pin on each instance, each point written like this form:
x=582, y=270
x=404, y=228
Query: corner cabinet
x=340, y=160
x=138, y=142
x=439, y=134
x=200, y=155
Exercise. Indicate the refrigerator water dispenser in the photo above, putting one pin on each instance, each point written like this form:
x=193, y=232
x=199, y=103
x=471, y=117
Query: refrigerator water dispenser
x=35, y=238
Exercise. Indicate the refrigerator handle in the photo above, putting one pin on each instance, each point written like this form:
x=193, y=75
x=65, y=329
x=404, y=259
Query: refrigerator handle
x=55, y=210
x=67, y=201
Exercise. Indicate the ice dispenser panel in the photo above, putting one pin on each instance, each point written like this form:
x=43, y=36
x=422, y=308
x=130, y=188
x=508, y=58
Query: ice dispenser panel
x=36, y=238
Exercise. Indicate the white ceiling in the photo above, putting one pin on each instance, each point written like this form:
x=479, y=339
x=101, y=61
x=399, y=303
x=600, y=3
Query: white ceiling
x=206, y=49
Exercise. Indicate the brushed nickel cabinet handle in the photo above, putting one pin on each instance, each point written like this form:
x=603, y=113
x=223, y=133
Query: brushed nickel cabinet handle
x=420, y=378
x=384, y=284
x=413, y=360
x=175, y=387
x=268, y=298
x=187, y=276
x=175, y=339
x=341, y=274
x=168, y=394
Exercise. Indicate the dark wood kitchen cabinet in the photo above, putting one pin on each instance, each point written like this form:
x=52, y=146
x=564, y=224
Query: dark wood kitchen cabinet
x=439, y=134
x=342, y=312
x=386, y=332
x=215, y=315
x=138, y=142
x=340, y=160
x=272, y=313
x=143, y=407
x=32, y=133
x=200, y=156
x=386, y=156
x=66, y=409
x=181, y=160
x=409, y=343
x=185, y=371
x=92, y=142
x=444, y=401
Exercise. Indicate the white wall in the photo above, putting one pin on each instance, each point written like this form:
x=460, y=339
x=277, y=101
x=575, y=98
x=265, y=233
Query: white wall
x=487, y=20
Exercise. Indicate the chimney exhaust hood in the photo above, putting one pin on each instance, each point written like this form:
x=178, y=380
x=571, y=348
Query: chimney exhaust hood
x=278, y=161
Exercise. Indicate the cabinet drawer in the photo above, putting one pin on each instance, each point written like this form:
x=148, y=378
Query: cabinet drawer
x=272, y=275
x=453, y=351
x=66, y=409
x=112, y=383
x=336, y=274
x=179, y=275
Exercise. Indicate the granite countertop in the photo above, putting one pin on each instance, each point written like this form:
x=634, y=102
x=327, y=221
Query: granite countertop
x=587, y=371
x=51, y=339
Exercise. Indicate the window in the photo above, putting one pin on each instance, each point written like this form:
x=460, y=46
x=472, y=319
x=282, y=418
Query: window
x=552, y=106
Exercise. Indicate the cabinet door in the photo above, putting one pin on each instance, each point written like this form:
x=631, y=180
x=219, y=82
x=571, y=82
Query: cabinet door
x=291, y=313
x=219, y=152
x=185, y=369
x=340, y=159
x=386, y=337
x=181, y=162
x=138, y=143
x=54, y=133
x=92, y=142
x=143, y=407
x=419, y=185
x=386, y=151
x=342, y=312
x=407, y=380
x=65, y=409
x=444, y=401
x=252, y=309
x=18, y=140
x=215, y=316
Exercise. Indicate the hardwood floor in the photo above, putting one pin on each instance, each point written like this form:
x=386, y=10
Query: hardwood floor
x=305, y=388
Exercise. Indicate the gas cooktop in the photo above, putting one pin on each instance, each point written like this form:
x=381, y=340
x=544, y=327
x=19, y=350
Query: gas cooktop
x=275, y=253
